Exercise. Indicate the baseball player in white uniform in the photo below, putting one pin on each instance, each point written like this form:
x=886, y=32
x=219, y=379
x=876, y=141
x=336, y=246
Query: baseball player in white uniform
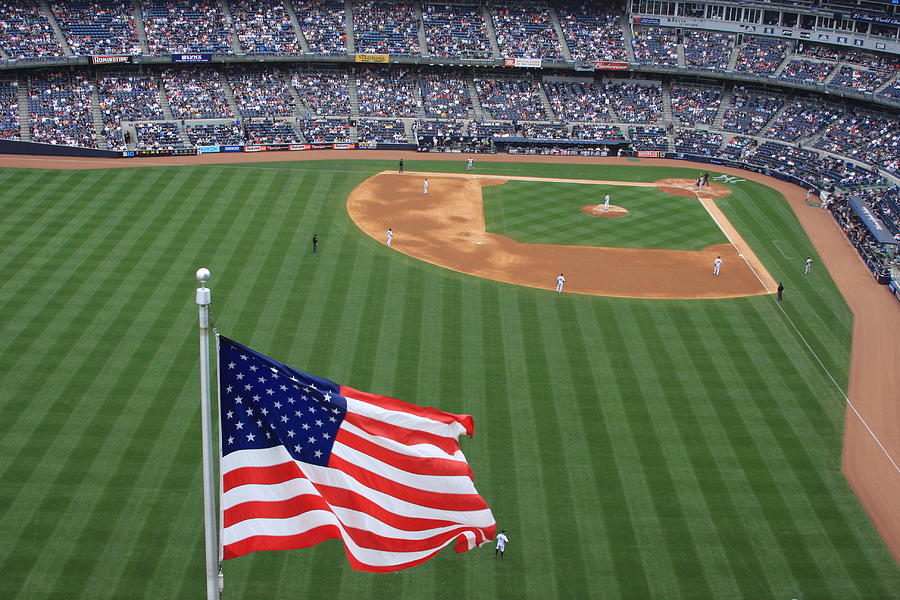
x=560, y=282
x=470, y=164
x=606, y=202
x=425, y=187
x=716, y=265
x=808, y=265
x=501, y=543
x=390, y=236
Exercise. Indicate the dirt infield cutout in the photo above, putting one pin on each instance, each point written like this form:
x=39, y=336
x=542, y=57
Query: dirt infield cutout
x=446, y=227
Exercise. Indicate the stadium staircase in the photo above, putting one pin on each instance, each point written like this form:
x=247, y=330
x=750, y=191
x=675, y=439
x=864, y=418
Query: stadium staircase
x=137, y=15
x=299, y=104
x=735, y=50
x=762, y=131
x=60, y=37
x=163, y=99
x=24, y=113
x=420, y=29
x=679, y=52
x=716, y=124
x=545, y=102
x=628, y=38
x=3, y=54
x=353, y=92
x=295, y=22
x=229, y=23
x=489, y=27
x=890, y=81
x=348, y=26
x=666, y=90
x=834, y=72
x=97, y=116
x=477, y=109
x=560, y=36
x=229, y=95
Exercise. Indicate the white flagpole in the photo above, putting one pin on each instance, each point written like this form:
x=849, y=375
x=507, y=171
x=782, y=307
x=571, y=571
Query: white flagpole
x=209, y=486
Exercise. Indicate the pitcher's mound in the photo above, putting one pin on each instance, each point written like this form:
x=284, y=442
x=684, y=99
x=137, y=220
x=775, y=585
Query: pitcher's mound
x=596, y=210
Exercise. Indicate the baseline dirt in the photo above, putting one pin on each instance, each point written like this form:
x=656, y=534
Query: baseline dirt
x=874, y=378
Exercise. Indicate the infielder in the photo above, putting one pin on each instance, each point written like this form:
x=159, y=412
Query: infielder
x=390, y=236
x=501, y=543
x=560, y=282
x=425, y=187
x=606, y=202
x=808, y=265
x=716, y=265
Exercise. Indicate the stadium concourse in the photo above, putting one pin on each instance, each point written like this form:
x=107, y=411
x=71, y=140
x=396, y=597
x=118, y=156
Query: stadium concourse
x=782, y=91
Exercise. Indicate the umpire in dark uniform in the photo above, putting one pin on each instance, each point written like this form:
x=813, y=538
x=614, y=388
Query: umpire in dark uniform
x=315, y=243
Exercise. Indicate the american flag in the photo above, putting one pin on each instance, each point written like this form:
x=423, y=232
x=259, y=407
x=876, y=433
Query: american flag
x=305, y=460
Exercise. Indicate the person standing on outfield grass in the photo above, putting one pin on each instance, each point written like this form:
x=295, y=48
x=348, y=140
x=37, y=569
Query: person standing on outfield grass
x=808, y=266
x=560, y=282
x=780, y=290
x=502, y=540
x=606, y=202
x=390, y=237
x=315, y=243
x=425, y=187
x=401, y=165
x=470, y=164
x=717, y=264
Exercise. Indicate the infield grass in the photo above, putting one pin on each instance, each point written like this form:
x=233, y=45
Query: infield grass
x=633, y=449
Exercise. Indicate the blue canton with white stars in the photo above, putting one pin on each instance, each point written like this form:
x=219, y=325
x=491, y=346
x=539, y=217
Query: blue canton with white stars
x=265, y=403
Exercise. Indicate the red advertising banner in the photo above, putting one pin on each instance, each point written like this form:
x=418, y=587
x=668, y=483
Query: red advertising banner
x=610, y=65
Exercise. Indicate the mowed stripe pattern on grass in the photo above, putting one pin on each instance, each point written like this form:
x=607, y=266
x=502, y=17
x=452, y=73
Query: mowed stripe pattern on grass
x=633, y=449
x=550, y=213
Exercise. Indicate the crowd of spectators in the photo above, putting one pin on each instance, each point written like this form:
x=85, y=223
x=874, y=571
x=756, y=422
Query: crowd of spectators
x=698, y=141
x=592, y=33
x=596, y=132
x=707, y=49
x=264, y=27
x=635, y=103
x=749, y=112
x=157, y=135
x=510, y=99
x=456, y=30
x=9, y=110
x=445, y=96
x=196, y=93
x=801, y=70
x=859, y=80
x=739, y=148
x=438, y=128
x=268, y=131
x=543, y=131
x=761, y=55
x=325, y=130
x=656, y=45
x=801, y=118
x=59, y=106
x=391, y=93
x=390, y=131
x=215, y=134
x=129, y=97
x=692, y=105
x=174, y=28
x=262, y=93
x=648, y=138
x=488, y=129
x=869, y=138
x=885, y=203
x=93, y=27
x=323, y=92
x=892, y=91
x=524, y=30
x=577, y=101
x=385, y=28
x=25, y=31
x=323, y=25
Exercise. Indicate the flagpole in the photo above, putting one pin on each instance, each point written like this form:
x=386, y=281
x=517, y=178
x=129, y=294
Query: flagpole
x=209, y=487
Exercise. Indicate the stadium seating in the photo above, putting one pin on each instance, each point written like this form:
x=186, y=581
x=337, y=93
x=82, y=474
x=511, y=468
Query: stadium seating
x=524, y=30
x=323, y=25
x=385, y=28
x=591, y=33
x=97, y=27
x=456, y=30
x=9, y=110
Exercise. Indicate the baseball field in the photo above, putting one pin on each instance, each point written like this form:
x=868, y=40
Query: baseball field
x=632, y=445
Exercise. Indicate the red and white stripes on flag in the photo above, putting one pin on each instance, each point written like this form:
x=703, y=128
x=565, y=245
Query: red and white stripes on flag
x=395, y=490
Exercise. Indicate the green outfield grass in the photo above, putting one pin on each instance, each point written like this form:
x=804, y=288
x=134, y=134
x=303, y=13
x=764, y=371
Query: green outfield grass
x=550, y=213
x=633, y=449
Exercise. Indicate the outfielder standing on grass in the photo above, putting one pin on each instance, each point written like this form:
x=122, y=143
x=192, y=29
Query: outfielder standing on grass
x=502, y=540
x=470, y=164
x=808, y=266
